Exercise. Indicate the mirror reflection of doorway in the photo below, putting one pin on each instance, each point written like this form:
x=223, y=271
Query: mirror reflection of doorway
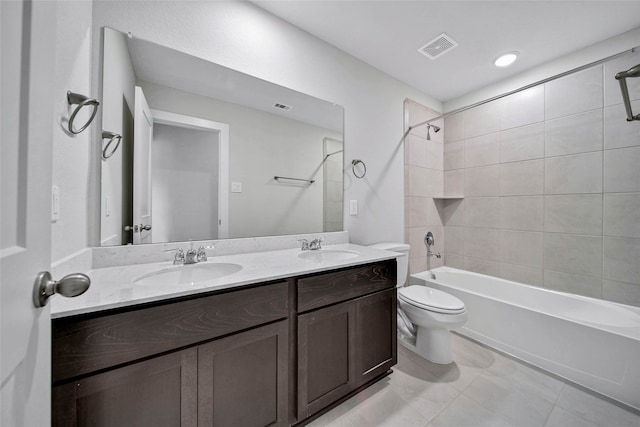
x=184, y=164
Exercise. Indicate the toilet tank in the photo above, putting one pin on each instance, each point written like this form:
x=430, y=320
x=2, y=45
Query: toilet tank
x=402, y=260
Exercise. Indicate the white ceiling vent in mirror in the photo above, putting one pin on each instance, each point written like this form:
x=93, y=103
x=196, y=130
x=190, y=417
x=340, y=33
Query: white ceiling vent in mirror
x=438, y=46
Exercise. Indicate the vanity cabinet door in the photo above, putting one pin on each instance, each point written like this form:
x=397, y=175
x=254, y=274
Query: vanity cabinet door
x=376, y=332
x=242, y=379
x=156, y=392
x=326, y=357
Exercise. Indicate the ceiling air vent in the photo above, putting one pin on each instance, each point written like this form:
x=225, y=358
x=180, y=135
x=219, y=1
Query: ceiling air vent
x=438, y=46
x=281, y=107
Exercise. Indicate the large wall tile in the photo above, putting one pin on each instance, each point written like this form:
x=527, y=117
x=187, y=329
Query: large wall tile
x=453, y=211
x=482, y=181
x=621, y=260
x=417, y=265
x=622, y=215
x=579, y=173
x=579, y=133
x=454, y=260
x=482, y=243
x=435, y=154
x=435, y=183
x=416, y=211
x=523, y=143
x=415, y=151
x=521, y=178
x=575, y=213
x=482, y=212
x=521, y=247
x=417, y=181
x=522, y=108
x=574, y=94
x=521, y=213
x=482, y=120
x=454, y=155
x=454, y=183
x=521, y=273
x=573, y=283
x=622, y=170
x=435, y=212
x=625, y=293
x=482, y=150
x=416, y=241
x=612, y=93
x=618, y=132
x=482, y=266
x=453, y=127
x=454, y=243
x=574, y=254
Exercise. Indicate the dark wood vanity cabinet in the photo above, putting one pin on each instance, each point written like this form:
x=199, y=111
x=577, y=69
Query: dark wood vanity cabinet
x=348, y=336
x=228, y=359
x=212, y=360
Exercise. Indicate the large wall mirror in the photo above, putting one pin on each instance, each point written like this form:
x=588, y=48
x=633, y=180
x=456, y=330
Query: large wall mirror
x=206, y=152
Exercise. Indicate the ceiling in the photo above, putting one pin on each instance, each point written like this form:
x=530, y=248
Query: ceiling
x=388, y=34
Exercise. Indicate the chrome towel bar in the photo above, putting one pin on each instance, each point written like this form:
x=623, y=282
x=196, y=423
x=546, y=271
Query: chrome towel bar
x=278, y=178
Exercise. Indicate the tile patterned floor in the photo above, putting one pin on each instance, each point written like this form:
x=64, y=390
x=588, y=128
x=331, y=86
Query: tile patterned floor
x=481, y=388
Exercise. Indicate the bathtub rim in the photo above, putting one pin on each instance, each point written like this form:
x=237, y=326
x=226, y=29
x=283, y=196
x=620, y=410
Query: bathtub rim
x=630, y=332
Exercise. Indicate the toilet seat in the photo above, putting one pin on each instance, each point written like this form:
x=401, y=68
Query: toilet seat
x=431, y=299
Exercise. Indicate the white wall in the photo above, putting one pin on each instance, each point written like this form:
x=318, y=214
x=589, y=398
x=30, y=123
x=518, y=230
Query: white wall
x=261, y=145
x=184, y=184
x=71, y=153
x=241, y=36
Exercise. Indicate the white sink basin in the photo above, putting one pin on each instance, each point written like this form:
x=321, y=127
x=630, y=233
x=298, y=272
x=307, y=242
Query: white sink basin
x=328, y=255
x=188, y=274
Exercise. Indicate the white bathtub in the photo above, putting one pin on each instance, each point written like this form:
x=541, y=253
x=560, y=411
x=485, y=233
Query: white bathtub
x=591, y=342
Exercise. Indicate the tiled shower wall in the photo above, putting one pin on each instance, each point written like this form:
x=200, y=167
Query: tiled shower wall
x=423, y=186
x=551, y=185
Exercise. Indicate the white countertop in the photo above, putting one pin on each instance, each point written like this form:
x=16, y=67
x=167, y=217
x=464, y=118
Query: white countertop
x=113, y=287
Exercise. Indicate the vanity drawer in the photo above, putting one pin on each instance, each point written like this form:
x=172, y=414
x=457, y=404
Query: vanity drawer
x=85, y=345
x=329, y=288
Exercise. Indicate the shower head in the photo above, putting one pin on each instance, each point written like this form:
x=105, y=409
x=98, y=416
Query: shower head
x=435, y=128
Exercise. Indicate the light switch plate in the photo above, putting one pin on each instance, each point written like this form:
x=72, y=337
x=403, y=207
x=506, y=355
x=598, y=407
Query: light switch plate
x=236, y=187
x=353, y=207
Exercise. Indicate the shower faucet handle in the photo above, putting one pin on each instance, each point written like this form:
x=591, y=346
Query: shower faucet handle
x=428, y=239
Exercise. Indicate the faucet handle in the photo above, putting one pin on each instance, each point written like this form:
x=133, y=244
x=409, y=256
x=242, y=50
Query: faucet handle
x=179, y=258
x=202, y=252
x=305, y=244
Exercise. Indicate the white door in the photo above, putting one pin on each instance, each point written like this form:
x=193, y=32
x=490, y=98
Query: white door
x=142, y=138
x=28, y=53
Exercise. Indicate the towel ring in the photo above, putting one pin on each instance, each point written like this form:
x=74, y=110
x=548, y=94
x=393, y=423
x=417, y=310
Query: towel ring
x=112, y=137
x=356, y=162
x=81, y=101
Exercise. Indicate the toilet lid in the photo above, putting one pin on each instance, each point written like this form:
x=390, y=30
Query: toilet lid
x=430, y=299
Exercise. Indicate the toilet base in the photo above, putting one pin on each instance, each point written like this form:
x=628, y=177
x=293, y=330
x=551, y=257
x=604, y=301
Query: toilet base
x=432, y=344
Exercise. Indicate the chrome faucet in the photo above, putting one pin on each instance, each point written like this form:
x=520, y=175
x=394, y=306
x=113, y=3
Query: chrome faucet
x=430, y=241
x=313, y=245
x=191, y=256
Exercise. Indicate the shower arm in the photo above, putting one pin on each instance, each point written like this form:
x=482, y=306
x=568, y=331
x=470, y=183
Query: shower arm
x=532, y=85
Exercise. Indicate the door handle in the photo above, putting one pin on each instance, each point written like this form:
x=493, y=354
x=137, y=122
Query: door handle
x=69, y=286
x=137, y=228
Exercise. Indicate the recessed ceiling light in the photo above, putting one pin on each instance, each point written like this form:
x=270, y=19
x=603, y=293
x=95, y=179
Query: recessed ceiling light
x=506, y=59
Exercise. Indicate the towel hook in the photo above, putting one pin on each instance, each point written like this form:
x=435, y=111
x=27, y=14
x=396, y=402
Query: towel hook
x=112, y=137
x=81, y=101
x=362, y=170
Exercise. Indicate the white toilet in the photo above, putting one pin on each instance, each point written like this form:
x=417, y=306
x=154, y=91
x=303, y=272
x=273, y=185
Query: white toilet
x=425, y=315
